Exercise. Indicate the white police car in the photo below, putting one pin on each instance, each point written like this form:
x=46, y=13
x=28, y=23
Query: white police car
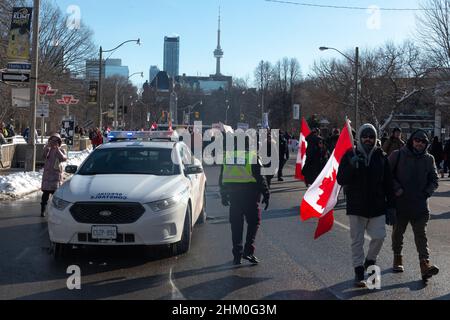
x=130, y=192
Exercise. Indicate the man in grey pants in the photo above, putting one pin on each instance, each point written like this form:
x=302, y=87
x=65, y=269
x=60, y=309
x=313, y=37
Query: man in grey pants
x=367, y=178
x=415, y=180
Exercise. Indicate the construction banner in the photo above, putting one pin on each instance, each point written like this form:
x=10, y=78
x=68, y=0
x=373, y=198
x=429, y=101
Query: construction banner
x=19, y=34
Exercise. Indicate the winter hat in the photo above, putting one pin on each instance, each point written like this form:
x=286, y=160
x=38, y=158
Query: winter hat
x=420, y=134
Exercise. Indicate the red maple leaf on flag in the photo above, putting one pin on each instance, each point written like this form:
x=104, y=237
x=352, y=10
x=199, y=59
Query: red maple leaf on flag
x=327, y=188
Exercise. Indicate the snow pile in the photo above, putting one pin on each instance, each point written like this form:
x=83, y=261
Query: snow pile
x=19, y=184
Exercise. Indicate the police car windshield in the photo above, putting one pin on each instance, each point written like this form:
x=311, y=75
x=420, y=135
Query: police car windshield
x=133, y=160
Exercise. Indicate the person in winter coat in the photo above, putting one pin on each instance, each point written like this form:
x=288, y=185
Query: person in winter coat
x=447, y=157
x=53, y=172
x=437, y=152
x=316, y=158
x=415, y=180
x=97, y=138
x=283, y=153
x=395, y=142
x=366, y=174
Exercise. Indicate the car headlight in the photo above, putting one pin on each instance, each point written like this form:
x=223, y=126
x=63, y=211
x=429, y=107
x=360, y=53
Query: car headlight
x=165, y=204
x=59, y=203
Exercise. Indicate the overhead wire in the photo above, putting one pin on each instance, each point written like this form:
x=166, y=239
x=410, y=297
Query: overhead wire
x=325, y=6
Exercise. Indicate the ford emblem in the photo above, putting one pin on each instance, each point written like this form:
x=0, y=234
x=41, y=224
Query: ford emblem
x=105, y=213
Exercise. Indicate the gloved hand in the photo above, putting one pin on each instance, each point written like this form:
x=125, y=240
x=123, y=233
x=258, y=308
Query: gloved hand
x=266, y=201
x=225, y=201
x=391, y=216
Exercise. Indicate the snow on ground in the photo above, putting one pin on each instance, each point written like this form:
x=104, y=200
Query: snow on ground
x=17, y=185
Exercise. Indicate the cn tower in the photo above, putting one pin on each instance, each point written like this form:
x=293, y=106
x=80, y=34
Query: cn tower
x=218, y=53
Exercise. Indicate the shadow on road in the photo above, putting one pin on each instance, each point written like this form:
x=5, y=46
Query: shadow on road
x=442, y=216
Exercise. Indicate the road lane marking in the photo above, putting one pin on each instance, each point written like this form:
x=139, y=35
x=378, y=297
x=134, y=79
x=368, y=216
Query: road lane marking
x=22, y=254
x=176, y=294
x=348, y=228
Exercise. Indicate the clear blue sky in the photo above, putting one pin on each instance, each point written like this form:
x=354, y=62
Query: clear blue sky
x=252, y=30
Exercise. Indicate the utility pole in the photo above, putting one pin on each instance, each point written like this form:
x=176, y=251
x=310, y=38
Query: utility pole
x=356, y=88
x=115, y=106
x=31, y=162
x=262, y=92
x=99, y=99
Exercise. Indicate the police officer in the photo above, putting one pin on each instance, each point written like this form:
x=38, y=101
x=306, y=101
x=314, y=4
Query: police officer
x=241, y=188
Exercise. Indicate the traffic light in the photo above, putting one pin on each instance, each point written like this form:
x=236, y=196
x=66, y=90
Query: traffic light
x=125, y=109
x=197, y=115
x=242, y=117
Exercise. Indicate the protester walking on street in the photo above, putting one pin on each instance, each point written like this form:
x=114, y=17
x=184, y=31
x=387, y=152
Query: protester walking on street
x=241, y=188
x=283, y=152
x=437, y=152
x=316, y=157
x=415, y=180
x=395, y=142
x=447, y=157
x=366, y=174
x=53, y=173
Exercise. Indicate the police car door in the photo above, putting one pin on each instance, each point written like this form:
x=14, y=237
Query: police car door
x=194, y=180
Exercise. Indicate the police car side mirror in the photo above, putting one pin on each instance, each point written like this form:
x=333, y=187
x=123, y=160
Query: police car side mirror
x=71, y=169
x=188, y=170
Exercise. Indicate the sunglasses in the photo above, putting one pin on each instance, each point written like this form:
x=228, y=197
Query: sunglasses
x=423, y=141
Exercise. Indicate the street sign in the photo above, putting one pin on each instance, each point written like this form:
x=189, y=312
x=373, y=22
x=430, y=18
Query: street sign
x=23, y=67
x=19, y=34
x=67, y=99
x=20, y=97
x=42, y=110
x=93, y=88
x=296, y=112
x=15, y=77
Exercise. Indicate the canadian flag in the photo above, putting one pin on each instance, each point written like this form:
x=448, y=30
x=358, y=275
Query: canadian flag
x=321, y=198
x=301, y=156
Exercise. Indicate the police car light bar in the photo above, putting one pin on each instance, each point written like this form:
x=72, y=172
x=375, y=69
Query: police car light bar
x=143, y=135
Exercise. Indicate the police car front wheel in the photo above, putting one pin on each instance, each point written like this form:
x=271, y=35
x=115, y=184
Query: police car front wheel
x=184, y=244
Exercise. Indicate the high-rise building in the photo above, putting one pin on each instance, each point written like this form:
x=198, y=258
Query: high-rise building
x=92, y=69
x=172, y=56
x=114, y=67
x=153, y=72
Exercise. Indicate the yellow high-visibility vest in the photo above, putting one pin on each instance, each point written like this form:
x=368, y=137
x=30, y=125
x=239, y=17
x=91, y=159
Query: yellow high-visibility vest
x=241, y=170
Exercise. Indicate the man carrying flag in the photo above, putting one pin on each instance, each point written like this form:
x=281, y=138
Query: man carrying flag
x=366, y=174
x=301, y=157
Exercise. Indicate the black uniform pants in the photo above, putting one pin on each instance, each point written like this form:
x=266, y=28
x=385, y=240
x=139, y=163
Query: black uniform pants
x=244, y=204
x=280, y=169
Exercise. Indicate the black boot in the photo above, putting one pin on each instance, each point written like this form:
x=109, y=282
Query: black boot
x=369, y=263
x=43, y=210
x=359, y=277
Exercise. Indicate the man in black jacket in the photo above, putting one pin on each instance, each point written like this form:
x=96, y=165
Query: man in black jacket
x=415, y=180
x=367, y=177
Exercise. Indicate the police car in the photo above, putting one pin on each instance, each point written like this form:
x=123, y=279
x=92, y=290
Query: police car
x=142, y=188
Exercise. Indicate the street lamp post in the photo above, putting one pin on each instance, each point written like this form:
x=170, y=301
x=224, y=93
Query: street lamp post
x=189, y=108
x=355, y=62
x=226, y=112
x=116, y=120
x=100, y=68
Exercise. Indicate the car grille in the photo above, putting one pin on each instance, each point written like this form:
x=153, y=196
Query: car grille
x=120, y=213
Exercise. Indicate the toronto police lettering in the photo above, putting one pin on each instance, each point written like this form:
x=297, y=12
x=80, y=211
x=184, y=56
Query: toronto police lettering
x=110, y=196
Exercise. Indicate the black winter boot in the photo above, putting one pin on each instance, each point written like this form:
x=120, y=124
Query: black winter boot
x=359, y=277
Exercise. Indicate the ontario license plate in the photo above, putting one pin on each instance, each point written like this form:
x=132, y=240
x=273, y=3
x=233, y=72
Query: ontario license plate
x=104, y=232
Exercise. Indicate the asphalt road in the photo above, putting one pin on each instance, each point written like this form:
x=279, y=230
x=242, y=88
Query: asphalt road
x=293, y=267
